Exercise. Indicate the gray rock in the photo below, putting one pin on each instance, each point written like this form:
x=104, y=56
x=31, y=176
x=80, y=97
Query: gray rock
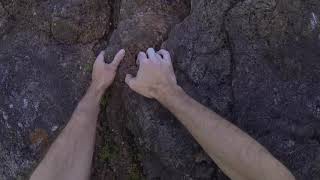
x=41, y=81
x=4, y=20
x=254, y=62
x=80, y=21
x=276, y=64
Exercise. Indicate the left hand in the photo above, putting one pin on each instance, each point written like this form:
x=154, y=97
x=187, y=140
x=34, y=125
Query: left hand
x=103, y=74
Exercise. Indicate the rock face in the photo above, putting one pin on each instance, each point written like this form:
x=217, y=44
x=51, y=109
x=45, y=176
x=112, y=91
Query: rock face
x=276, y=67
x=41, y=78
x=254, y=62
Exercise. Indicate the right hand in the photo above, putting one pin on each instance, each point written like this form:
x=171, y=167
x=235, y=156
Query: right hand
x=155, y=75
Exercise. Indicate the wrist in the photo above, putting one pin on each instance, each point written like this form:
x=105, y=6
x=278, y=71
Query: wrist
x=96, y=91
x=167, y=93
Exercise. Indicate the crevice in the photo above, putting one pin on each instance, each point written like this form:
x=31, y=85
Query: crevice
x=5, y=9
x=228, y=45
x=315, y=138
x=11, y=18
x=111, y=26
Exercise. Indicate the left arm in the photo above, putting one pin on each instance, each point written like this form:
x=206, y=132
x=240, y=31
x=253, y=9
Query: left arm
x=70, y=155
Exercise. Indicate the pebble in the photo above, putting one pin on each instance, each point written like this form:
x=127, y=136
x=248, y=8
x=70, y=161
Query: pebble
x=54, y=128
x=25, y=103
x=20, y=125
x=5, y=115
x=314, y=21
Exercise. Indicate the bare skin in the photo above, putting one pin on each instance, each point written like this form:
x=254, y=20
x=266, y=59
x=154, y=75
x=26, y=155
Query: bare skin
x=236, y=153
x=70, y=156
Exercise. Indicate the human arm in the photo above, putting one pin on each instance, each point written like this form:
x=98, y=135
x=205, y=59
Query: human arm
x=236, y=153
x=70, y=156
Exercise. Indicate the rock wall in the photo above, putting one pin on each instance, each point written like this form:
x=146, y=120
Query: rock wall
x=254, y=62
x=44, y=71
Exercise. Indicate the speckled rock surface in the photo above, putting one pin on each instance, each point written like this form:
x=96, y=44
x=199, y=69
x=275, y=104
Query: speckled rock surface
x=41, y=78
x=254, y=62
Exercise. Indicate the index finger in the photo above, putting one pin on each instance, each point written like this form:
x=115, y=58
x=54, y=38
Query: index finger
x=165, y=54
x=118, y=57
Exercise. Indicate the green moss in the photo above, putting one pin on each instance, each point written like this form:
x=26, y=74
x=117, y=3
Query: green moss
x=104, y=102
x=109, y=152
x=135, y=174
x=88, y=67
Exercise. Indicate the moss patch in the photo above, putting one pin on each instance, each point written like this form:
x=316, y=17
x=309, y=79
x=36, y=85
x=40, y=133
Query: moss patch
x=109, y=152
x=135, y=174
x=88, y=67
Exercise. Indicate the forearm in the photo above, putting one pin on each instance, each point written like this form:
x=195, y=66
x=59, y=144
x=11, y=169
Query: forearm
x=236, y=153
x=70, y=155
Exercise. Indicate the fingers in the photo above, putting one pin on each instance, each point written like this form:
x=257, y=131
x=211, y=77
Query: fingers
x=118, y=57
x=130, y=81
x=165, y=54
x=158, y=56
x=151, y=54
x=100, y=57
x=141, y=57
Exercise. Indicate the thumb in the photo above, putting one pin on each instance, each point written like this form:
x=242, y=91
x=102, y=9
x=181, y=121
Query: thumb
x=100, y=57
x=118, y=57
x=130, y=81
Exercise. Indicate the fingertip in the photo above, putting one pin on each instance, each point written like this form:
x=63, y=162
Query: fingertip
x=128, y=78
x=151, y=53
x=142, y=55
x=165, y=54
x=150, y=49
x=119, y=57
x=122, y=51
x=159, y=56
x=101, y=56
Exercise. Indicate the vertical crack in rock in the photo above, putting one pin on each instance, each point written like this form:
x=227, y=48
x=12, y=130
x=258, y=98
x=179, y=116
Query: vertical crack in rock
x=230, y=47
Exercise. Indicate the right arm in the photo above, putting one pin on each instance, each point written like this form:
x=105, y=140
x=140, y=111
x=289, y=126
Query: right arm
x=235, y=152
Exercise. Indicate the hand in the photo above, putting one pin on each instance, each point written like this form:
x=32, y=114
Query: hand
x=103, y=74
x=155, y=75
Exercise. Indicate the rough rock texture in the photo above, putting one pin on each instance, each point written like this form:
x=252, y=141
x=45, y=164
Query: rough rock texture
x=41, y=79
x=254, y=62
x=275, y=72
